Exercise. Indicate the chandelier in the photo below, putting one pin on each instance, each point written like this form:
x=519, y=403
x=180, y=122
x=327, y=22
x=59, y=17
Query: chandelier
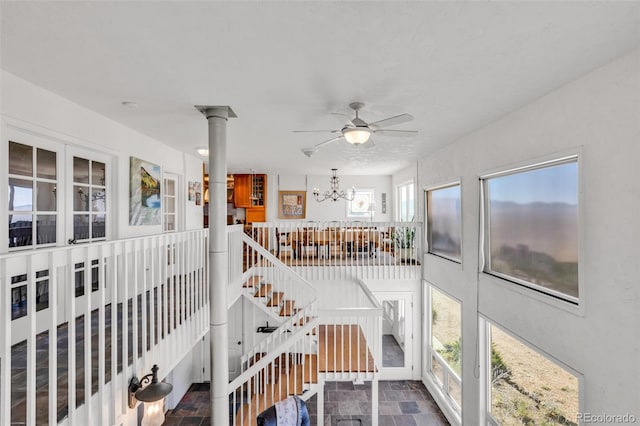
x=334, y=194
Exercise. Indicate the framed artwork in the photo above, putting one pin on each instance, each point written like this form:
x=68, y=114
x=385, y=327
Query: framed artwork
x=198, y=198
x=144, y=193
x=191, y=191
x=292, y=204
x=198, y=186
x=359, y=206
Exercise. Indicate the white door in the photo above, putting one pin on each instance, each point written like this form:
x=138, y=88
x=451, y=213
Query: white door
x=90, y=196
x=236, y=315
x=397, y=336
x=170, y=210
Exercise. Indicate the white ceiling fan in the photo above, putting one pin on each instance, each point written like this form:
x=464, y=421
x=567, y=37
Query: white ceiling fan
x=358, y=132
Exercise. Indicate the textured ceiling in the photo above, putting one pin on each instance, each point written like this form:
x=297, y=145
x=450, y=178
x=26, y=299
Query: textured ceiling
x=282, y=66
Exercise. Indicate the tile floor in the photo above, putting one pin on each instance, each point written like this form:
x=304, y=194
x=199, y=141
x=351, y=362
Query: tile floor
x=400, y=403
x=392, y=353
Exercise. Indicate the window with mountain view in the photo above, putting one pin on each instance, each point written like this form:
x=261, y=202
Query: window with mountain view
x=444, y=221
x=528, y=387
x=532, y=228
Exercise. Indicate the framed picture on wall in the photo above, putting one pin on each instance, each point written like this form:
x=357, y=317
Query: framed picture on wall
x=144, y=192
x=292, y=204
x=191, y=191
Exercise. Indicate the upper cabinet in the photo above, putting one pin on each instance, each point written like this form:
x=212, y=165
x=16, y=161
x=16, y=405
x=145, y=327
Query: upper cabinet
x=250, y=191
x=242, y=191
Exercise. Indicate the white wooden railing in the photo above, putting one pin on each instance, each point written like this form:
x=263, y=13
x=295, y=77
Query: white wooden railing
x=84, y=319
x=360, y=309
x=345, y=250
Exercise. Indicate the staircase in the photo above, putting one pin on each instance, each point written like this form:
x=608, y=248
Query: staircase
x=285, y=363
x=289, y=374
x=307, y=347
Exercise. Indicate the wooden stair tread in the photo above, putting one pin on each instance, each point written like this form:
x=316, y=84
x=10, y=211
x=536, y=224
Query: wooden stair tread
x=264, y=290
x=288, y=308
x=252, y=281
x=276, y=298
x=303, y=321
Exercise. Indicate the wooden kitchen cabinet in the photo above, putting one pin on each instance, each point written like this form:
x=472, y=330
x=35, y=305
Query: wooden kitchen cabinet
x=256, y=214
x=250, y=192
x=242, y=191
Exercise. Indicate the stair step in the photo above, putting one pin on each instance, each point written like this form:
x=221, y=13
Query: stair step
x=303, y=321
x=288, y=308
x=252, y=281
x=276, y=298
x=264, y=290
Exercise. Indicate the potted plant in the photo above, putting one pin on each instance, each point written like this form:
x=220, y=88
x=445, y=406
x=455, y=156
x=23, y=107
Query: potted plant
x=404, y=239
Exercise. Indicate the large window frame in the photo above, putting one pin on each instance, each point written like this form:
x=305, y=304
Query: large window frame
x=98, y=184
x=427, y=209
x=485, y=345
x=440, y=387
x=36, y=145
x=524, y=286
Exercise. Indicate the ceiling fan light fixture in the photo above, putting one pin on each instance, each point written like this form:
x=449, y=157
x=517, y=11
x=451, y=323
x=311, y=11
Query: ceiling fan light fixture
x=356, y=136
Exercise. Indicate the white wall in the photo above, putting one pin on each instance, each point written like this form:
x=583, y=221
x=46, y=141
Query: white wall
x=32, y=109
x=328, y=210
x=598, y=116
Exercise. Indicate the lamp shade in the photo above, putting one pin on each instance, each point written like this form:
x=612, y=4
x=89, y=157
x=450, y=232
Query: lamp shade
x=154, y=392
x=357, y=136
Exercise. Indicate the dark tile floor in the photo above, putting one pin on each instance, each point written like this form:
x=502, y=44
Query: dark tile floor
x=400, y=403
x=392, y=353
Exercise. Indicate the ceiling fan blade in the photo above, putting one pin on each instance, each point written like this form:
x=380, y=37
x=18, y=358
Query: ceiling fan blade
x=404, y=133
x=321, y=144
x=316, y=131
x=344, y=119
x=391, y=121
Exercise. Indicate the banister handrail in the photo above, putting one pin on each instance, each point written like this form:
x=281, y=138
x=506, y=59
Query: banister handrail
x=368, y=293
x=59, y=249
x=300, y=334
x=274, y=260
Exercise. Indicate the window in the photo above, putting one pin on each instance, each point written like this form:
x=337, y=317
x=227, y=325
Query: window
x=32, y=196
x=444, y=221
x=89, y=200
x=526, y=386
x=363, y=204
x=531, y=227
x=446, y=345
x=169, y=204
x=406, y=210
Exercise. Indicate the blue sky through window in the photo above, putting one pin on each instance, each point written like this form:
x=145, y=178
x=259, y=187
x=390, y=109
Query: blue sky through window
x=555, y=184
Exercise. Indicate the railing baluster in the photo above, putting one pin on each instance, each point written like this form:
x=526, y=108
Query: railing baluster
x=31, y=341
x=53, y=340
